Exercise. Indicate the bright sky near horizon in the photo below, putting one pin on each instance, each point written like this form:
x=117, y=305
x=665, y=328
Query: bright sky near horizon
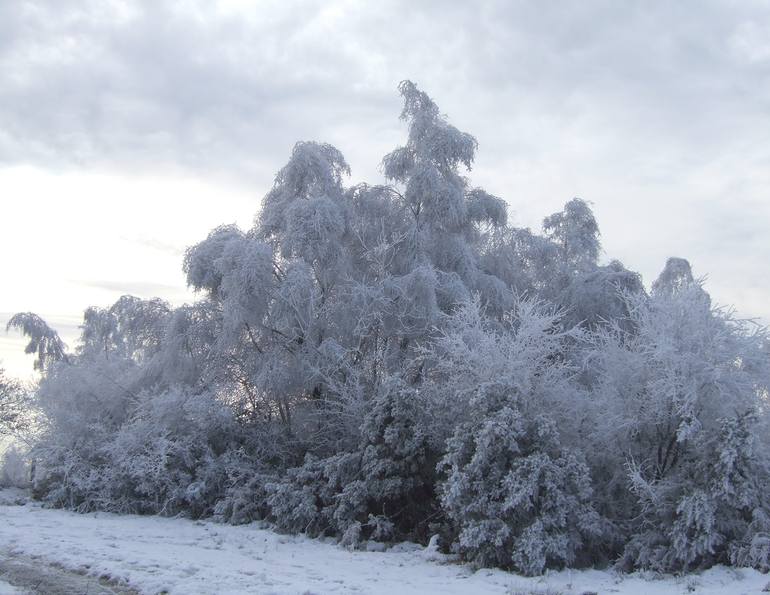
x=129, y=129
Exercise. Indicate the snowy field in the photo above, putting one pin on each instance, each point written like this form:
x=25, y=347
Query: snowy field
x=127, y=554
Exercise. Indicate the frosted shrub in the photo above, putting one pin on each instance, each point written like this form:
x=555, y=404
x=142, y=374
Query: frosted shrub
x=681, y=399
x=305, y=499
x=712, y=511
x=754, y=548
x=170, y=457
x=245, y=496
x=14, y=468
x=382, y=491
x=516, y=497
x=392, y=494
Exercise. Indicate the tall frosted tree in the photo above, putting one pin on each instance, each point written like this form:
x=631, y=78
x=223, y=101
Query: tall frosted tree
x=446, y=215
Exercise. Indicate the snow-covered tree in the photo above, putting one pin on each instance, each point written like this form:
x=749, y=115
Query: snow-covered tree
x=44, y=341
x=382, y=490
x=14, y=404
x=446, y=215
x=576, y=233
x=678, y=402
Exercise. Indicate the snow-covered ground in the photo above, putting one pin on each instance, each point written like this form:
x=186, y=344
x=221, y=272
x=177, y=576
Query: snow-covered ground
x=153, y=555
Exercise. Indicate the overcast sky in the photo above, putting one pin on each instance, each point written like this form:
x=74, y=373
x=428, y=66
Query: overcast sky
x=129, y=129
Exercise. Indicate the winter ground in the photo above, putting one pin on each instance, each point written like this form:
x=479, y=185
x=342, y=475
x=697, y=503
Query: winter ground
x=42, y=550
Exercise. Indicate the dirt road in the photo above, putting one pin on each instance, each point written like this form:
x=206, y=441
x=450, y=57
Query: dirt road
x=38, y=576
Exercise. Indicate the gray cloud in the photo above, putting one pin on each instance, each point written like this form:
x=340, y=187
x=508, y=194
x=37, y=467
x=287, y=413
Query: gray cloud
x=192, y=85
x=164, y=85
x=657, y=112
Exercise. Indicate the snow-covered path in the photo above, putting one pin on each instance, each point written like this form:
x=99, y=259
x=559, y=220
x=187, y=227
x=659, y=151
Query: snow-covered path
x=178, y=556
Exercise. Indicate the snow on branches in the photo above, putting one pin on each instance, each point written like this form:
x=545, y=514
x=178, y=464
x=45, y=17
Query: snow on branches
x=386, y=362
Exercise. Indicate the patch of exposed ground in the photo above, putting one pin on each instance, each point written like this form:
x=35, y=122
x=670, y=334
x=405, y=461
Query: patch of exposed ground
x=34, y=575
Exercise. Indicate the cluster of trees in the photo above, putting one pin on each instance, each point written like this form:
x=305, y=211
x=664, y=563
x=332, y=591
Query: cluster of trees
x=15, y=406
x=396, y=362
